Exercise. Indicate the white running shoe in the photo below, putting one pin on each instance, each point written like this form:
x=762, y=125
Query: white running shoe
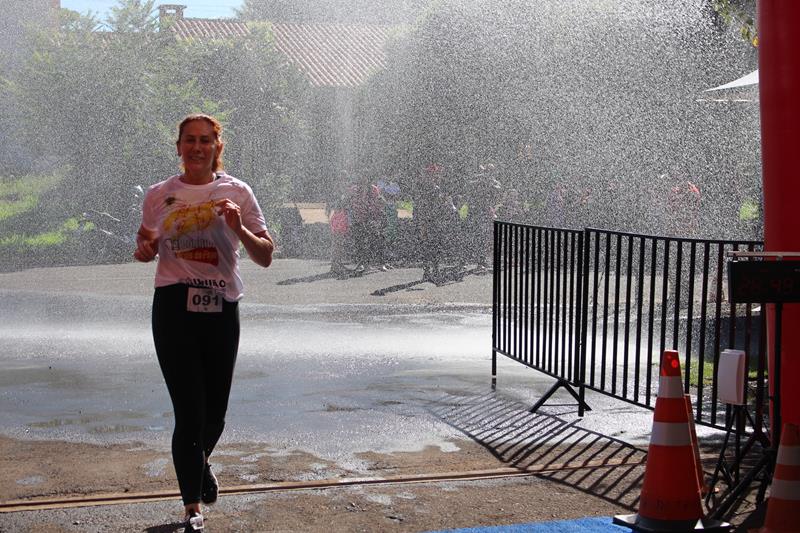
x=194, y=523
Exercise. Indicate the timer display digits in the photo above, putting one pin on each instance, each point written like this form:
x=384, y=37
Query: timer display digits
x=764, y=281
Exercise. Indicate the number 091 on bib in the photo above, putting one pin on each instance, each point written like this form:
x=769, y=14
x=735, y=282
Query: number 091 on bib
x=203, y=300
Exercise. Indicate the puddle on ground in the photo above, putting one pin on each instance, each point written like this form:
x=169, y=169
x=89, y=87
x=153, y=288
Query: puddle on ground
x=114, y=428
x=156, y=467
x=91, y=420
x=31, y=480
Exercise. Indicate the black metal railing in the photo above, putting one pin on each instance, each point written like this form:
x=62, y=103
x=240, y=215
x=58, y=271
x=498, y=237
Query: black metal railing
x=595, y=309
x=537, y=301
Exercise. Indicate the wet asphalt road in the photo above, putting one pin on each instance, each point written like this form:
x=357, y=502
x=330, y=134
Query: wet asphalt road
x=330, y=366
x=334, y=374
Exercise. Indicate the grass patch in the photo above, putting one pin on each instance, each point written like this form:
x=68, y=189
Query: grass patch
x=47, y=238
x=20, y=195
x=708, y=374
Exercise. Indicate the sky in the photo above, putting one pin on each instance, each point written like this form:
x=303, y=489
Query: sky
x=194, y=8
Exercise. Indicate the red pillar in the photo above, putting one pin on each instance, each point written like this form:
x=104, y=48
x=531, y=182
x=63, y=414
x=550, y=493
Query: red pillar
x=779, y=87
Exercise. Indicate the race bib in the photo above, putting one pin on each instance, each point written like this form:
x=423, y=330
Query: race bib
x=203, y=300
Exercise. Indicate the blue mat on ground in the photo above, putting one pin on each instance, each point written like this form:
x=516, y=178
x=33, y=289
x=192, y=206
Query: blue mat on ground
x=582, y=525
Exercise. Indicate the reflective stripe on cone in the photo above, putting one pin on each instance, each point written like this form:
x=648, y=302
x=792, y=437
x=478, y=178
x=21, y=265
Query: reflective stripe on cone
x=670, y=434
x=783, y=511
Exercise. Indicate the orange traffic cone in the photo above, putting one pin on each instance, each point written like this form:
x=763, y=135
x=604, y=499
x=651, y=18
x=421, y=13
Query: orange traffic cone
x=783, y=505
x=698, y=463
x=670, y=500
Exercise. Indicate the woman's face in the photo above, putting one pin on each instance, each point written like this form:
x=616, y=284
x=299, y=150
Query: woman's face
x=197, y=147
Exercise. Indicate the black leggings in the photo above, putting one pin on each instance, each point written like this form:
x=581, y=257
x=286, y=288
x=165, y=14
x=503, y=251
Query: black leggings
x=197, y=353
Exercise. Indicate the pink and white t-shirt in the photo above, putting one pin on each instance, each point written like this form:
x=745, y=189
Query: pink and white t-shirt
x=195, y=245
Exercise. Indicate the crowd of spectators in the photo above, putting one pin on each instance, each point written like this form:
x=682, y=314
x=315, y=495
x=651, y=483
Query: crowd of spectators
x=447, y=231
x=448, y=217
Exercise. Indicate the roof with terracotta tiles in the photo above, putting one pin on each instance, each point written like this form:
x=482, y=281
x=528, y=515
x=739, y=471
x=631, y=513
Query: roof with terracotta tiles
x=338, y=55
x=187, y=28
x=330, y=55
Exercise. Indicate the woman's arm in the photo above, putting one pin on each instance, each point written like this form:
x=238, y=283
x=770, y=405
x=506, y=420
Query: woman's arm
x=146, y=245
x=259, y=245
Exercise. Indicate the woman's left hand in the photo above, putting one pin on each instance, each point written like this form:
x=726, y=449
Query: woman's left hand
x=259, y=245
x=231, y=212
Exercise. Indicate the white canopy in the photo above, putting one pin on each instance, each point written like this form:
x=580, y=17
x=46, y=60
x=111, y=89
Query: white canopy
x=750, y=79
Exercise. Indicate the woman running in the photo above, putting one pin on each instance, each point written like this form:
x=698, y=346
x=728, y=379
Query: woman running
x=194, y=222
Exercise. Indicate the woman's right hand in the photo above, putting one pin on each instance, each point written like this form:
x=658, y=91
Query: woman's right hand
x=146, y=245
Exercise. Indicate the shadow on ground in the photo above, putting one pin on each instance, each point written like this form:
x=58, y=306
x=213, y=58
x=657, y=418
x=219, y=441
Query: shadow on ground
x=167, y=528
x=521, y=439
x=446, y=276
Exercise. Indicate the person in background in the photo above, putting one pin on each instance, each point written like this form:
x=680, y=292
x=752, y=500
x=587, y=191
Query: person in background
x=449, y=226
x=367, y=223
x=556, y=207
x=461, y=238
x=428, y=201
x=683, y=203
x=339, y=220
x=484, y=191
x=389, y=192
x=512, y=208
x=194, y=222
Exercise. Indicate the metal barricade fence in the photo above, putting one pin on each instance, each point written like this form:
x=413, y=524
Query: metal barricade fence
x=537, y=301
x=595, y=309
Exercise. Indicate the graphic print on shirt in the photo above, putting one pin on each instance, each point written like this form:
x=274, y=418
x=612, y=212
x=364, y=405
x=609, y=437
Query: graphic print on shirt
x=185, y=227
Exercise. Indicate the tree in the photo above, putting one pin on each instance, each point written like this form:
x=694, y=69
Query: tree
x=133, y=16
x=739, y=13
x=90, y=101
x=105, y=104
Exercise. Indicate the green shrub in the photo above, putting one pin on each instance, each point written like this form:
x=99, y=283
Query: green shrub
x=20, y=195
x=45, y=239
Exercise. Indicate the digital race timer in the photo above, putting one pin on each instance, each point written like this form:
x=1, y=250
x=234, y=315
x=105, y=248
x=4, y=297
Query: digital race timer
x=764, y=281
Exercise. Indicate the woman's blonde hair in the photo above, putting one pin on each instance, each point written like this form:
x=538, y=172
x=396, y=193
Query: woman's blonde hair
x=216, y=126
